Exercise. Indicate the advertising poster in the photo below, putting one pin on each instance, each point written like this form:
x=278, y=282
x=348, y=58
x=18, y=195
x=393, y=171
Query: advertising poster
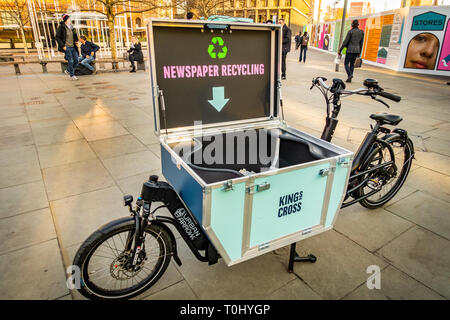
x=444, y=58
x=425, y=47
x=385, y=37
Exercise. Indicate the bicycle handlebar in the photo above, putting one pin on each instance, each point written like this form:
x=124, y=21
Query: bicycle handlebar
x=362, y=91
x=390, y=96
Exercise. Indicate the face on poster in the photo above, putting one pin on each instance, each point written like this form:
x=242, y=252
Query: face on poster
x=427, y=40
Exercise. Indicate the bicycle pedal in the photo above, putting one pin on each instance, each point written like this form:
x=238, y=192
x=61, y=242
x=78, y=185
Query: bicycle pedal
x=374, y=185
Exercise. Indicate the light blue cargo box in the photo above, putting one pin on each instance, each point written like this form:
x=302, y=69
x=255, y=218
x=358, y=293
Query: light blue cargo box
x=250, y=180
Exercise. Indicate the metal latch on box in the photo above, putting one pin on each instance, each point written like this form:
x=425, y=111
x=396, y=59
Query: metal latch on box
x=227, y=186
x=258, y=187
x=327, y=171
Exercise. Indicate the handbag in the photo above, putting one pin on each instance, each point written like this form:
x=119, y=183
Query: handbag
x=358, y=63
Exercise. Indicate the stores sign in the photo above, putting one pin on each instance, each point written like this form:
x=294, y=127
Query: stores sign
x=429, y=21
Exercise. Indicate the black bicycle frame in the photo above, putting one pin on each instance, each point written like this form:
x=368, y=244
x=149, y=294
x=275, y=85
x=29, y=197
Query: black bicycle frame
x=365, y=147
x=191, y=232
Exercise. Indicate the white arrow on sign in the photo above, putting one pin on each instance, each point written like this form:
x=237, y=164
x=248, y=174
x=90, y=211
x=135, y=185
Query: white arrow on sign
x=218, y=101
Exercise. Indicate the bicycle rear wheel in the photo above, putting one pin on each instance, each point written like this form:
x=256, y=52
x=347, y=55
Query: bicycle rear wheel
x=387, y=180
x=105, y=269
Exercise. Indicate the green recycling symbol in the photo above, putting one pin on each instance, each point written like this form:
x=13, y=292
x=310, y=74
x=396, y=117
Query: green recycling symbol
x=219, y=41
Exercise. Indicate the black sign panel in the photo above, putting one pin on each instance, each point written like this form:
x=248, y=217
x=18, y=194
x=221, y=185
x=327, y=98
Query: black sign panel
x=212, y=76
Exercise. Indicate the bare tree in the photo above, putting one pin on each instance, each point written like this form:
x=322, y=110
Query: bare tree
x=113, y=8
x=204, y=8
x=18, y=11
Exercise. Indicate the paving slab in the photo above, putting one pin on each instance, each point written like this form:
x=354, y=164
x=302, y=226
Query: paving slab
x=178, y=291
x=144, y=133
x=433, y=161
x=246, y=280
x=422, y=255
x=103, y=130
x=294, y=290
x=117, y=146
x=340, y=267
x=38, y=273
x=371, y=229
x=21, y=173
x=63, y=153
x=57, y=134
x=395, y=285
x=45, y=113
x=17, y=155
x=22, y=139
x=93, y=209
x=426, y=211
x=14, y=129
x=132, y=164
x=431, y=182
x=22, y=198
x=26, y=229
x=84, y=111
x=75, y=178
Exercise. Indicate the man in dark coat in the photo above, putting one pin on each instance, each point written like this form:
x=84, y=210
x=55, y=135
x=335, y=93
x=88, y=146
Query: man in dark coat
x=286, y=47
x=354, y=44
x=135, y=53
x=67, y=39
x=88, y=50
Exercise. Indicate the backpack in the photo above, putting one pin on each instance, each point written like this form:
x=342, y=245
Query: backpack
x=81, y=70
x=305, y=41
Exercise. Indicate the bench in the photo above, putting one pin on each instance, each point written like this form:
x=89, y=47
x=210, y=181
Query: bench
x=43, y=63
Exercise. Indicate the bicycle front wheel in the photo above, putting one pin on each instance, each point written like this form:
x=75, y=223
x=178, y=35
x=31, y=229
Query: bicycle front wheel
x=389, y=179
x=104, y=261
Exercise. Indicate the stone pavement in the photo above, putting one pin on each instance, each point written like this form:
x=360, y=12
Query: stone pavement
x=70, y=150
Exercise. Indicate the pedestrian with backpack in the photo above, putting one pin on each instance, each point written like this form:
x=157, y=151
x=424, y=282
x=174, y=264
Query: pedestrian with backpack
x=304, y=40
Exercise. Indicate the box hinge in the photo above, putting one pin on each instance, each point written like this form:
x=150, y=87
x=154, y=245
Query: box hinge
x=344, y=162
x=227, y=186
x=306, y=231
x=326, y=172
x=263, y=246
x=258, y=187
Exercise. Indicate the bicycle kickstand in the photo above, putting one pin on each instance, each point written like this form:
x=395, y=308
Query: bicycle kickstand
x=294, y=257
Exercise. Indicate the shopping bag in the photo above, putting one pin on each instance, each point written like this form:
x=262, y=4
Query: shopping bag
x=338, y=59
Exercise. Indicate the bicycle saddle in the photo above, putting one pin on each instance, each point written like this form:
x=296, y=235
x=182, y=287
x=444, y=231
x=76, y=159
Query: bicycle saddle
x=386, y=118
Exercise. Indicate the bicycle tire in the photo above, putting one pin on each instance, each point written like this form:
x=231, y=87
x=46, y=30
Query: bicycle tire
x=408, y=151
x=95, y=240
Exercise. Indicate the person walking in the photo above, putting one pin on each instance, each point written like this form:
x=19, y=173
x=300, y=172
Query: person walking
x=88, y=50
x=67, y=38
x=354, y=44
x=297, y=40
x=135, y=53
x=304, y=40
x=286, y=47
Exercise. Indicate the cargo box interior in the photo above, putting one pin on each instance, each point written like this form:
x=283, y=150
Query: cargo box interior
x=228, y=156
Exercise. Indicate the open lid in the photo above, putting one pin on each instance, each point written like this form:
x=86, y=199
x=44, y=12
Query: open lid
x=213, y=72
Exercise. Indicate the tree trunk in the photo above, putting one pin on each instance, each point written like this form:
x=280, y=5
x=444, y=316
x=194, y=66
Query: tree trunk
x=112, y=37
x=24, y=40
x=22, y=33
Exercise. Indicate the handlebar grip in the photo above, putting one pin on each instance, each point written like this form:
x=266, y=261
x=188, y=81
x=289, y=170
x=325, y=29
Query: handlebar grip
x=390, y=96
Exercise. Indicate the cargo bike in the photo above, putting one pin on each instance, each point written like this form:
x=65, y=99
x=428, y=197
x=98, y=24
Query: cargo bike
x=240, y=181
